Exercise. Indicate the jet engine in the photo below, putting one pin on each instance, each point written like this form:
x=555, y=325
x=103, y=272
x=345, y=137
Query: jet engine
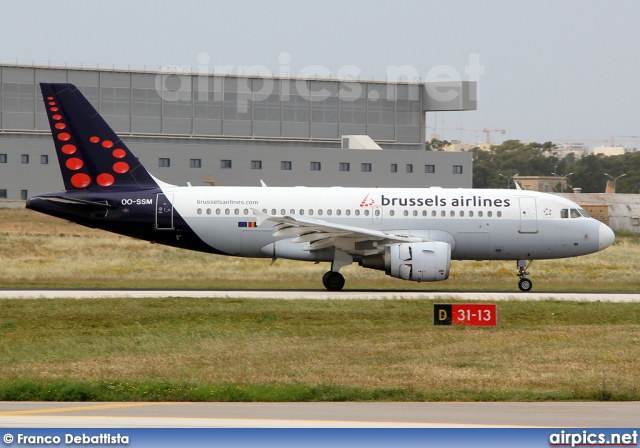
x=428, y=261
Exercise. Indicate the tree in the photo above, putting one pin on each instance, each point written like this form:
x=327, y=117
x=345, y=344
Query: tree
x=437, y=145
x=540, y=159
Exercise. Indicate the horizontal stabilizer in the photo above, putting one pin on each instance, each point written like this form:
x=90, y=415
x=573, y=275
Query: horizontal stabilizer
x=77, y=203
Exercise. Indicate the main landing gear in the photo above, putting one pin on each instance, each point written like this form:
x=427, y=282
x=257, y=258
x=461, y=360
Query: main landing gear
x=524, y=284
x=333, y=281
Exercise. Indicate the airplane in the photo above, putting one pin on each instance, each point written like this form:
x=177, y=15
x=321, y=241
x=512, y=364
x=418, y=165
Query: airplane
x=409, y=233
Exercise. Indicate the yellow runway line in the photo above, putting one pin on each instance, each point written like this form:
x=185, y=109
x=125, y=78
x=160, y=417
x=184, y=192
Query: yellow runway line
x=79, y=408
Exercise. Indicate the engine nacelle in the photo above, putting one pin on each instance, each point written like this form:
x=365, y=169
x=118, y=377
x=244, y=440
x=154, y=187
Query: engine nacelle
x=428, y=261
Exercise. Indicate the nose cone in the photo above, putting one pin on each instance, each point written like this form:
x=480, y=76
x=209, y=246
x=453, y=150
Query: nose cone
x=606, y=237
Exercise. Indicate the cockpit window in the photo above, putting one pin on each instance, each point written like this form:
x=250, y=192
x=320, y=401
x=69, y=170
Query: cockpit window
x=584, y=213
x=564, y=213
x=575, y=213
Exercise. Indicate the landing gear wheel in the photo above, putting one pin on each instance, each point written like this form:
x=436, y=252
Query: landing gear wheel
x=333, y=281
x=525, y=284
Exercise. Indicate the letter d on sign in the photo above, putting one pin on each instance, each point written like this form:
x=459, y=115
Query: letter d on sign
x=441, y=314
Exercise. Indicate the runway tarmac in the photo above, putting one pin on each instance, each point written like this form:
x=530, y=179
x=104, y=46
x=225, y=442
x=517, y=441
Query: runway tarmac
x=318, y=415
x=318, y=295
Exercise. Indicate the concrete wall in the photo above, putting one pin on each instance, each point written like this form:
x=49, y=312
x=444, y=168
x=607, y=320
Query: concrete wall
x=209, y=118
x=35, y=177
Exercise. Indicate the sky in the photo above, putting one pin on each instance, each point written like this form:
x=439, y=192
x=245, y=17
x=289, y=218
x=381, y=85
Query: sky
x=548, y=70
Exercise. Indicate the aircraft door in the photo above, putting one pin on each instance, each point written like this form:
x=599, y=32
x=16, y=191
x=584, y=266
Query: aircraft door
x=528, y=216
x=376, y=214
x=164, y=212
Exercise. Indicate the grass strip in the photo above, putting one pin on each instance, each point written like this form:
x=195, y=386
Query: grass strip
x=149, y=391
x=182, y=349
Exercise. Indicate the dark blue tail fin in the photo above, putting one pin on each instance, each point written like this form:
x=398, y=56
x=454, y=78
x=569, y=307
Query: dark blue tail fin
x=91, y=155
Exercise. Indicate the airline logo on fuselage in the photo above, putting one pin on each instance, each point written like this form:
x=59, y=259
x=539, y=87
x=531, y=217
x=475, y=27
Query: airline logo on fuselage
x=438, y=201
x=367, y=201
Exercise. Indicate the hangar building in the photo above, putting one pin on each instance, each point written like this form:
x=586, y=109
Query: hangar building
x=238, y=130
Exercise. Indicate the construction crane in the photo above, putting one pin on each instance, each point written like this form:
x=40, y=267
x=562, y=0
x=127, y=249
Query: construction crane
x=611, y=140
x=487, y=131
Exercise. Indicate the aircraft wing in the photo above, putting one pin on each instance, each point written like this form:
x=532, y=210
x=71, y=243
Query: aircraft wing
x=320, y=234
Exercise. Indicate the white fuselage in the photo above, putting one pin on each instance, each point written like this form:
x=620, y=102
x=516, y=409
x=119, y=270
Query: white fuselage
x=478, y=224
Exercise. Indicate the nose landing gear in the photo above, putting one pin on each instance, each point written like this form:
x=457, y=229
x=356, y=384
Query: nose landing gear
x=524, y=284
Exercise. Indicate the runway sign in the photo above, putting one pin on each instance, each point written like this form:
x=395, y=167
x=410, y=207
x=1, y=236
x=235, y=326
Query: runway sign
x=473, y=315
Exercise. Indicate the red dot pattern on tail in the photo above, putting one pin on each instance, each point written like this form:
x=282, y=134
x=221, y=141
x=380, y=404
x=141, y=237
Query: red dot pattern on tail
x=121, y=167
x=69, y=149
x=83, y=180
x=80, y=180
x=105, y=179
x=74, y=163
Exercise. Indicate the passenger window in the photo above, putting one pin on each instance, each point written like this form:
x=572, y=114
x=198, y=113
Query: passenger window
x=357, y=212
x=471, y=214
x=208, y=211
x=377, y=212
x=433, y=213
x=564, y=213
x=461, y=213
x=310, y=212
x=452, y=213
x=273, y=211
x=246, y=211
x=329, y=212
x=574, y=213
x=199, y=211
x=338, y=212
x=301, y=212
x=499, y=214
x=292, y=211
x=320, y=212
x=217, y=211
x=424, y=213
x=415, y=213
x=480, y=214
x=406, y=213
x=283, y=211
x=443, y=213
x=237, y=211
x=366, y=213
x=347, y=212
x=391, y=213
x=227, y=211
x=489, y=213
